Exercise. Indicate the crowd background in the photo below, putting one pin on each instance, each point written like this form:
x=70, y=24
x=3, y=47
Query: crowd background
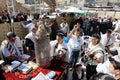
x=69, y=26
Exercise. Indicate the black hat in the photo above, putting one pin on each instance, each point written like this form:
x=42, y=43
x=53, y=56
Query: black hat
x=96, y=36
x=11, y=34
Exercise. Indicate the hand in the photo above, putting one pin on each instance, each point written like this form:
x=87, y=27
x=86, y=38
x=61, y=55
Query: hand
x=75, y=26
x=21, y=58
x=60, y=54
x=87, y=52
x=94, y=57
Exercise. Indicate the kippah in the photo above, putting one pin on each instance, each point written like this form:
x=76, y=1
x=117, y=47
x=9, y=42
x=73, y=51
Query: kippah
x=11, y=34
x=113, y=49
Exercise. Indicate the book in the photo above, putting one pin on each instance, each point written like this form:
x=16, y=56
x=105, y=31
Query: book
x=25, y=68
x=41, y=76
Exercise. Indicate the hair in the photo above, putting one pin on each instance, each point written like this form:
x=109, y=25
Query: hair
x=60, y=35
x=109, y=31
x=77, y=65
x=96, y=35
x=113, y=52
x=101, y=76
x=116, y=64
x=4, y=17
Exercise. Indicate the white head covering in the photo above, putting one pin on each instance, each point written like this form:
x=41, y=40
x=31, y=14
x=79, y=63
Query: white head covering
x=117, y=58
x=113, y=49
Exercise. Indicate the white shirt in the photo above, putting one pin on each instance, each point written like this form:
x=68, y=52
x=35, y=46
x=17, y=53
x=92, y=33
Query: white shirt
x=29, y=26
x=117, y=27
x=75, y=43
x=106, y=41
x=31, y=36
x=62, y=47
x=104, y=68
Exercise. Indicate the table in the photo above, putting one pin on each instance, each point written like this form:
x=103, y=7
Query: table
x=56, y=65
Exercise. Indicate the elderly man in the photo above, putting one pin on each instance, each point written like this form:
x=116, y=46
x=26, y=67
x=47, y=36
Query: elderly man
x=9, y=49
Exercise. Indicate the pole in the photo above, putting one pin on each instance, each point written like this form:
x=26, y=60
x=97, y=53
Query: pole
x=35, y=5
x=40, y=7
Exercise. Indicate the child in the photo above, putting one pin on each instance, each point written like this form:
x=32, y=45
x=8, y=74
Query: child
x=78, y=73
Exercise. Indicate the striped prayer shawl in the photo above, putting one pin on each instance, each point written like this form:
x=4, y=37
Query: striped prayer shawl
x=10, y=48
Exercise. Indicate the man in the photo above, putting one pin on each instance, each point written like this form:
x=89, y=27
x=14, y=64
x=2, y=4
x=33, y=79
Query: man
x=29, y=26
x=108, y=39
x=64, y=26
x=30, y=39
x=110, y=67
x=95, y=55
x=59, y=48
x=117, y=27
x=9, y=48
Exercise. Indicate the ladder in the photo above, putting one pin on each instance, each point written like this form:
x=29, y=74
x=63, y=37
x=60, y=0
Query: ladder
x=11, y=12
x=10, y=6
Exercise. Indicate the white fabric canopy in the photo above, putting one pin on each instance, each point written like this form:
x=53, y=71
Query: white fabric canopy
x=73, y=10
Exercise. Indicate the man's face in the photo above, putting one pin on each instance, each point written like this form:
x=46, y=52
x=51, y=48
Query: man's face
x=79, y=69
x=108, y=34
x=78, y=25
x=77, y=33
x=12, y=39
x=113, y=70
x=94, y=40
x=59, y=39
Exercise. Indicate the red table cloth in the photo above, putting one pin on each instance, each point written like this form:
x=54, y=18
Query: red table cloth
x=56, y=65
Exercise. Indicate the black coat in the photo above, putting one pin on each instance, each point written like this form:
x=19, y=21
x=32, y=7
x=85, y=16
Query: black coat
x=75, y=75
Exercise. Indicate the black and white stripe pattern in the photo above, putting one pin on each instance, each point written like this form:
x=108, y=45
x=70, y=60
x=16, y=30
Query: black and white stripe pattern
x=11, y=48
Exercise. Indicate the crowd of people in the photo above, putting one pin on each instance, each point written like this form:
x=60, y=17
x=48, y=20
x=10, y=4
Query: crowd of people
x=81, y=41
x=16, y=16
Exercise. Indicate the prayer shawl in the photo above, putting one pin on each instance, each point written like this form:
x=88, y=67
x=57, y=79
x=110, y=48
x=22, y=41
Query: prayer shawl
x=10, y=47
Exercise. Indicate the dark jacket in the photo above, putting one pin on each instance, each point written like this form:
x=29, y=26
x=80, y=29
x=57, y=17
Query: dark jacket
x=75, y=75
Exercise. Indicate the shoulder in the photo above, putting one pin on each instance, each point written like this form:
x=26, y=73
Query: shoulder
x=54, y=42
x=5, y=42
x=28, y=35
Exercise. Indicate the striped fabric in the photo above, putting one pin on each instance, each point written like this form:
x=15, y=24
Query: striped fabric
x=11, y=48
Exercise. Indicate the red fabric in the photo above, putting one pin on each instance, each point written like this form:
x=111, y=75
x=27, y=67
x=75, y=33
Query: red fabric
x=55, y=66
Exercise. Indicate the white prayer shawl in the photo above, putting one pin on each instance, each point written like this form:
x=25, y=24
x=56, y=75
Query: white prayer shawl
x=95, y=48
x=31, y=36
x=117, y=27
x=9, y=49
x=62, y=47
